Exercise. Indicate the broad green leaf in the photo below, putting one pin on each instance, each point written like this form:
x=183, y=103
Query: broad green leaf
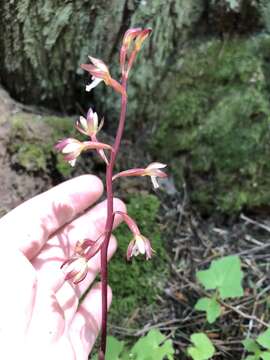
x=114, y=349
x=153, y=346
x=265, y=355
x=225, y=275
x=264, y=339
x=211, y=307
x=251, y=345
x=203, y=348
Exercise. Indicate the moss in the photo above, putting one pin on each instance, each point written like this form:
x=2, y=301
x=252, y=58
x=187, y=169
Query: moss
x=218, y=122
x=136, y=284
x=32, y=142
x=31, y=157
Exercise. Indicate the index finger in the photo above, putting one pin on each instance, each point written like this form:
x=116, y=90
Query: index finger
x=29, y=226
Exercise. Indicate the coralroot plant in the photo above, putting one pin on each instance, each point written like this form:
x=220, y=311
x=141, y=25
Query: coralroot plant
x=76, y=267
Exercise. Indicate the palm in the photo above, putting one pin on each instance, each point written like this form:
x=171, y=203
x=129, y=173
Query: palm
x=40, y=312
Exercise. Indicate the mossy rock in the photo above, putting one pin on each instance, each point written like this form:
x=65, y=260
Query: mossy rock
x=32, y=140
x=216, y=127
x=136, y=284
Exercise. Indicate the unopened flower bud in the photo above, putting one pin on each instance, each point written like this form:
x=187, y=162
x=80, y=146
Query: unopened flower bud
x=141, y=37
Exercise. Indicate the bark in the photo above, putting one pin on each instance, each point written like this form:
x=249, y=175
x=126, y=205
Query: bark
x=45, y=41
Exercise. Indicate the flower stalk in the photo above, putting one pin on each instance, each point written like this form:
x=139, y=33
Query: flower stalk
x=76, y=267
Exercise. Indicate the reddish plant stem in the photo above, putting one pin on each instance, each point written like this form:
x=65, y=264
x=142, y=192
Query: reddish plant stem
x=109, y=221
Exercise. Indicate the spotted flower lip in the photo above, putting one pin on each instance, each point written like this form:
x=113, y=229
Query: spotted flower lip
x=99, y=72
x=75, y=269
x=139, y=245
x=72, y=148
x=152, y=170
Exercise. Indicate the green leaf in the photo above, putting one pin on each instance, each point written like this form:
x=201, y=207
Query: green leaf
x=225, y=275
x=153, y=346
x=264, y=339
x=265, y=355
x=211, y=307
x=251, y=345
x=114, y=348
x=203, y=348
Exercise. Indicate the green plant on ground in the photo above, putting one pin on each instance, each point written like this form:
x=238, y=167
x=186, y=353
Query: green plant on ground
x=259, y=348
x=202, y=348
x=132, y=288
x=153, y=346
x=225, y=277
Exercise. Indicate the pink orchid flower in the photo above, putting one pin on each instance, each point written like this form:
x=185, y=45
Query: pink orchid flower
x=139, y=245
x=152, y=170
x=99, y=72
x=75, y=269
x=89, y=126
x=72, y=148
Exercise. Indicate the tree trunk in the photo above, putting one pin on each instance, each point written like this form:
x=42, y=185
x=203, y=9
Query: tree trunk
x=45, y=41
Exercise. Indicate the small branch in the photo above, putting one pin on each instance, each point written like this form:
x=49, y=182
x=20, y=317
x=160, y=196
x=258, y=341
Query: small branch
x=254, y=222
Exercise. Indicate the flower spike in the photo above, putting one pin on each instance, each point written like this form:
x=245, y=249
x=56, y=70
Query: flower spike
x=152, y=170
x=99, y=72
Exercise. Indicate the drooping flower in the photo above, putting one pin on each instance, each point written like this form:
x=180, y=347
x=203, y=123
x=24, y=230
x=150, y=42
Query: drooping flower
x=75, y=269
x=72, y=148
x=152, y=170
x=99, y=72
x=139, y=245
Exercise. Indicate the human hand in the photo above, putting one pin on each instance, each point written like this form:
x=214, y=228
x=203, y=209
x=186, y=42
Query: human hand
x=41, y=316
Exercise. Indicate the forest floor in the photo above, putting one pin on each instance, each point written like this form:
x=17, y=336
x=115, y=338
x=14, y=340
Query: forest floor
x=191, y=242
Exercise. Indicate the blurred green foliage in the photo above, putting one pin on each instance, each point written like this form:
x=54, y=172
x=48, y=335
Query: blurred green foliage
x=217, y=121
x=137, y=283
x=32, y=142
